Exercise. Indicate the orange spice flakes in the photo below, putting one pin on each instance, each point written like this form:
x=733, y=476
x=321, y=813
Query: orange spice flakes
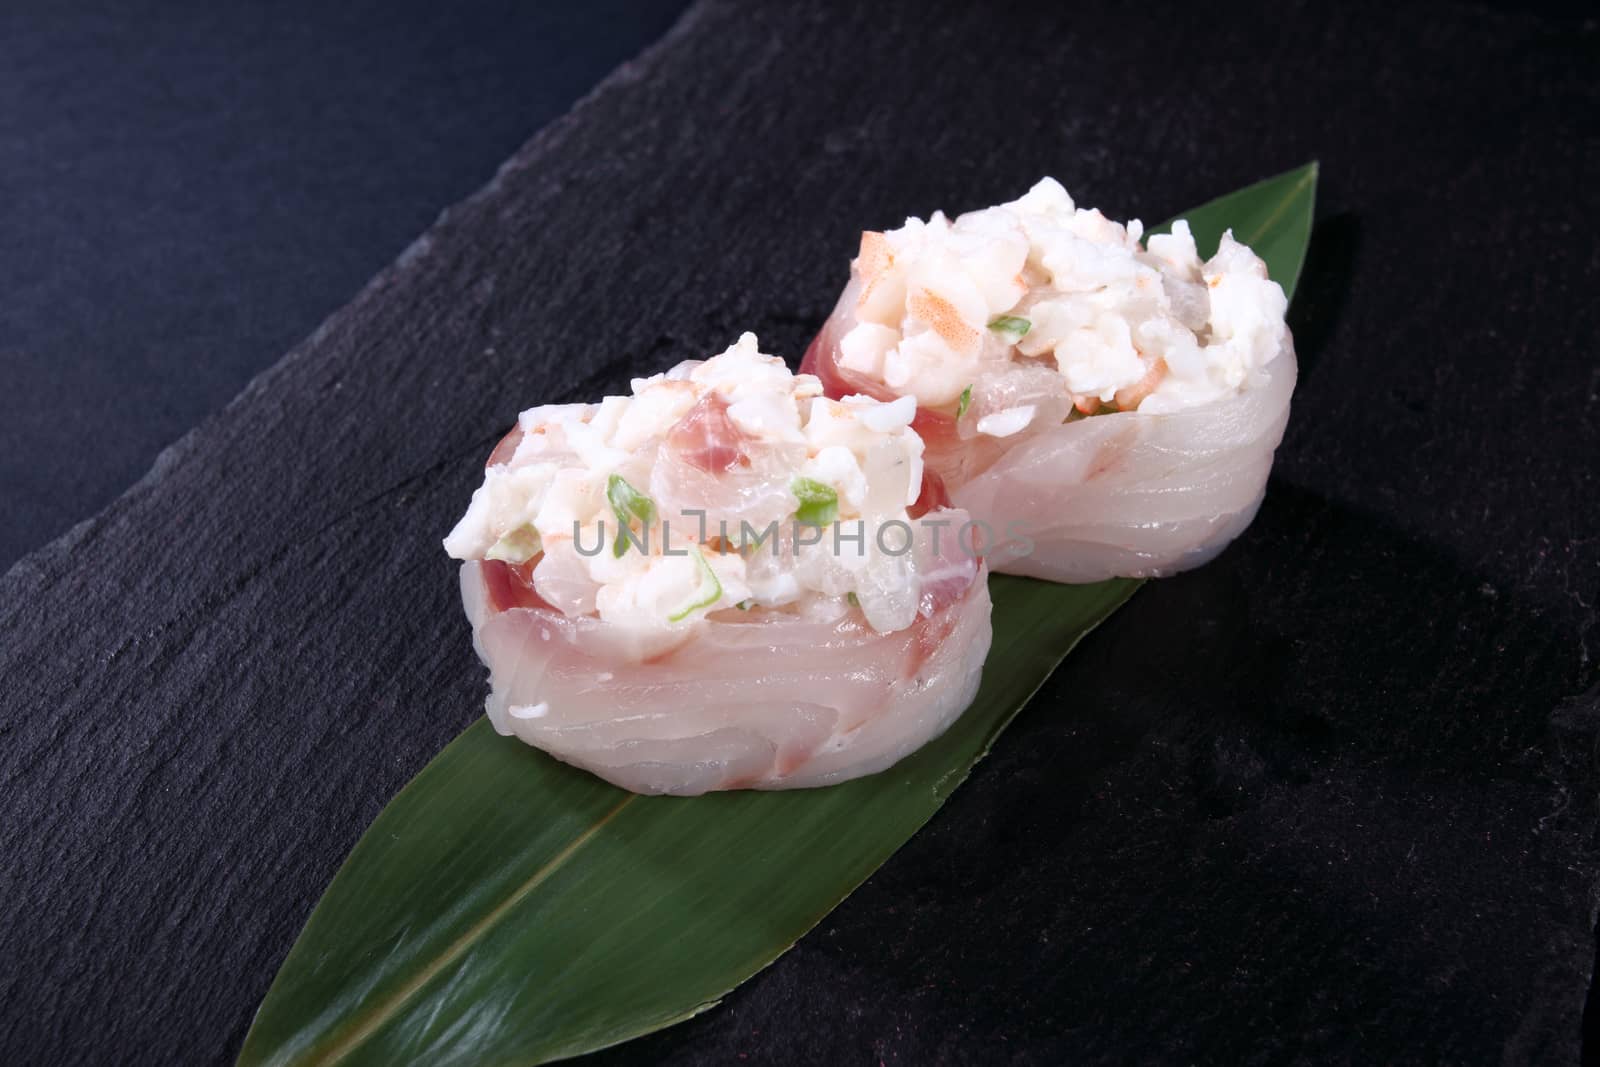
x=943, y=319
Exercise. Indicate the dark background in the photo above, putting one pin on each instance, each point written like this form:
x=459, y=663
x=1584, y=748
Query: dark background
x=1331, y=796
x=188, y=189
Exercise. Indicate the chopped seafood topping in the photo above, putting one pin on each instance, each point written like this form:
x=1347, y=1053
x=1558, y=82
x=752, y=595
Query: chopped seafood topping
x=964, y=315
x=727, y=484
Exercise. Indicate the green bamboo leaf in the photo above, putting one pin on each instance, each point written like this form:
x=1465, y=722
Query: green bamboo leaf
x=508, y=909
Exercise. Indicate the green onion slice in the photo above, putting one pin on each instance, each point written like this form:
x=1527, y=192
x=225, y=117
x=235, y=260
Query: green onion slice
x=819, y=502
x=627, y=502
x=706, y=593
x=1015, y=325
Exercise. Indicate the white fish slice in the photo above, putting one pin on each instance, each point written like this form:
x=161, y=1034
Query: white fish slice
x=767, y=702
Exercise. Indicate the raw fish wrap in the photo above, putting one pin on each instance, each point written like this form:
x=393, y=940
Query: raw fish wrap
x=1103, y=408
x=722, y=581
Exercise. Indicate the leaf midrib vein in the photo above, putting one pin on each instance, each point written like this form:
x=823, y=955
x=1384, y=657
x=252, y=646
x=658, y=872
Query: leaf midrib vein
x=1308, y=174
x=364, y=1026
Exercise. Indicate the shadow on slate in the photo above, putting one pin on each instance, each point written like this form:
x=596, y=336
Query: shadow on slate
x=1255, y=846
x=1331, y=795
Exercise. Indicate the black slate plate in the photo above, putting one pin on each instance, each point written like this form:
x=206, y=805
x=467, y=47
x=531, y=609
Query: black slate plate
x=1332, y=796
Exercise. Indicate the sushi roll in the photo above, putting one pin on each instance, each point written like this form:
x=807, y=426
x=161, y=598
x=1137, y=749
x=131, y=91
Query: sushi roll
x=724, y=580
x=1103, y=407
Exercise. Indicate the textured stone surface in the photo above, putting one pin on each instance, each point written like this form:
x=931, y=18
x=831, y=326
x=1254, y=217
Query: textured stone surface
x=1333, y=795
